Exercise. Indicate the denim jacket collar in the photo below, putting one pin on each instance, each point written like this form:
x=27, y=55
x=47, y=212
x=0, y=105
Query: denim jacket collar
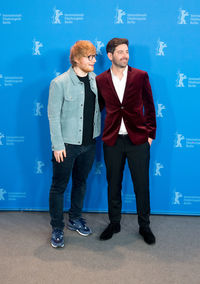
x=75, y=79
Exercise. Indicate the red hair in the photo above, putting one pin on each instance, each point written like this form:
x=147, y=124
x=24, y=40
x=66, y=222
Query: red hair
x=80, y=49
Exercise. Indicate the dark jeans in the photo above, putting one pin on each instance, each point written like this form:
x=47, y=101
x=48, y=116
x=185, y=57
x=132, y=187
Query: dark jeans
x=79, y=161
x=138, y=161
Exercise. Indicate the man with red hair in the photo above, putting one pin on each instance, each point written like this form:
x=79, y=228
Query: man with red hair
x=74, y=119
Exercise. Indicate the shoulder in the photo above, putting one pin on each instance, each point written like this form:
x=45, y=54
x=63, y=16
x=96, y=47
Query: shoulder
x=137, y=71
x=102, y=76
x=61, y=78
x=92, y=75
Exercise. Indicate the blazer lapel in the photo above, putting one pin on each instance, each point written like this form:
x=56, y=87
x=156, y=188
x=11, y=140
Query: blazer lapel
x=128, y=81
x=110, y=81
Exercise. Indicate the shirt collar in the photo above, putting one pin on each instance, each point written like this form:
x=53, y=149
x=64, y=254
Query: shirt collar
x=124, y=72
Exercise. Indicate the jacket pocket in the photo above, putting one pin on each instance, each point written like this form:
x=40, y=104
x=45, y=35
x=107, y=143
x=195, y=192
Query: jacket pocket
x=70, y=98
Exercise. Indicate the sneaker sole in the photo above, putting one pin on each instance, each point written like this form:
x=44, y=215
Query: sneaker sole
x=57, y=246
x=80, y=233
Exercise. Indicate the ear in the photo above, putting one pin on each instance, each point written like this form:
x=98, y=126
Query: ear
x=110, y=56
x=76, y=60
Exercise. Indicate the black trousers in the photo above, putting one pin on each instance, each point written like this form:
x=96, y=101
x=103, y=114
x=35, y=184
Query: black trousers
x=138, y=161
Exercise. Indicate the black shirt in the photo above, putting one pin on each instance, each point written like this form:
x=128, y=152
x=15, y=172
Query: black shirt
x=88, y=112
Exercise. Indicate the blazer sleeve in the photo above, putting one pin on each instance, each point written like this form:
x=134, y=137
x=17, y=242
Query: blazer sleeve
x=54, y=111
x=100, y=97
x=149, y=108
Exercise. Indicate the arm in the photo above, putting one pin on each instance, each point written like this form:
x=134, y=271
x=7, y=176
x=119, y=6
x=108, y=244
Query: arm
x=149, y=109
x=54, y=111
x=100, y=98
x=101, y=101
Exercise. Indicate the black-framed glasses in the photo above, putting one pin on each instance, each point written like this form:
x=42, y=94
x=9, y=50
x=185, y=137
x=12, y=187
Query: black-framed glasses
x=91, y=57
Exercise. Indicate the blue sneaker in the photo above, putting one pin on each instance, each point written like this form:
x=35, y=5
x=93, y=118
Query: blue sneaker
x=57, y=238
x=79, y=226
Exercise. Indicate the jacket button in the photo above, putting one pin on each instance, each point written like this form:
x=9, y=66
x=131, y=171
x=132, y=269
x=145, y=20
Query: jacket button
x=81, y=117
x=122, y=107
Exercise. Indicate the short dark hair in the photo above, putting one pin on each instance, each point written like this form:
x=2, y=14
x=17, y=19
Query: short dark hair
x=113, y=43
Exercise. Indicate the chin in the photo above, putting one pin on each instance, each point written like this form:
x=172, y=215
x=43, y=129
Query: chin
x=89, y=69
x=123, y=66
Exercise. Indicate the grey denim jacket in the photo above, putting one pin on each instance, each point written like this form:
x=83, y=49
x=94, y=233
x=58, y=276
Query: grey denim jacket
x=65, y=109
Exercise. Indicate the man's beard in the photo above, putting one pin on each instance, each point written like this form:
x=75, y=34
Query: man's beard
x=87, y=69
x=120, y=64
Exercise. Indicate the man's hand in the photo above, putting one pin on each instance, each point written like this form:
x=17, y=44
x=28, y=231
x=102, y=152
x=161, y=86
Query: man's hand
x=150, y=140
x=60, y=155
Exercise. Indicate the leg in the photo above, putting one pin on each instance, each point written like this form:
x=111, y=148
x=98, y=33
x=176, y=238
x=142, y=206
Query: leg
x=138, y=161
x=61, y=175
x=81, y=169
x=115, y=160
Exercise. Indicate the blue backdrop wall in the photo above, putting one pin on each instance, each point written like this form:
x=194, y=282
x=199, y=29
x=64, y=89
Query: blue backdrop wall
x=36, y=37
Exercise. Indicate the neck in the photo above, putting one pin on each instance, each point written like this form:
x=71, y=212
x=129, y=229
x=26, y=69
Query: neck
x=118, y=71
x=80, y=72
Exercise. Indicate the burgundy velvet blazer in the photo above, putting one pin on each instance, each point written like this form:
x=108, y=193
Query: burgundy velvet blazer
x=137, y=107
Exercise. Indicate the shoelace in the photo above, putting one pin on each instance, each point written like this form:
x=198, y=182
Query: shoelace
x=58, y=234
x=82, y=221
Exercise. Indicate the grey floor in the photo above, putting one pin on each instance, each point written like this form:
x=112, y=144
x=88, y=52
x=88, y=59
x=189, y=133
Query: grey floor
x=27, y=257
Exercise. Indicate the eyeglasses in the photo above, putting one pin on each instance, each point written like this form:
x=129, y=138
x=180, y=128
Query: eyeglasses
x=91, y=57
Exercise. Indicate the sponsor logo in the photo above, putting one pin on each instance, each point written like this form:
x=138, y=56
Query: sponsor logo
x=160, y=48
x=128, y=198
x=8, y=19
x=180, y=78
x=11, y=140
x=2, y=193
x=178, y=140
x=192, y=82
x=37, y=109
x=9, y=81
x=98, y=168
x=180, y=199
x=39, y=167
x=99, y=44
x=177, y=196
x=1, y=80
x=160, y=108
x=1, y=137
x=60, y=17
x=56, y=16
x=158, y=167
x=122, y=17
x=119, y=14
x=184, y=18
x=181, y=141
x=36, y=47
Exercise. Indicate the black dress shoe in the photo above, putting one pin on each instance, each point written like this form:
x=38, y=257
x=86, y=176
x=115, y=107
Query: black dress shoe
x=109, y=231
x=147, y=234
